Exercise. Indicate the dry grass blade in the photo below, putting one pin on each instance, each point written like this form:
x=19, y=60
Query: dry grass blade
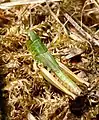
x=56, y=83
x=8, y=5
x=81, y=31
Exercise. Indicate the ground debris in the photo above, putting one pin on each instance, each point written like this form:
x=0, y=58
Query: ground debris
x=22, y=86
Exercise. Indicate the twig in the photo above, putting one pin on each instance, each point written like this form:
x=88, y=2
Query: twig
x=8, y=5
x=89, y=39
x=81, y=30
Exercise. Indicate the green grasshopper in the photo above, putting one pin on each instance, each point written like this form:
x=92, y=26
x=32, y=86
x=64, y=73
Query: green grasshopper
x=66, y=77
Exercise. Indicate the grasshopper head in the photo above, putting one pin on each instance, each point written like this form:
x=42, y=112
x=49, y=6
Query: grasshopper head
x=35, y=45
x=33, y=36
